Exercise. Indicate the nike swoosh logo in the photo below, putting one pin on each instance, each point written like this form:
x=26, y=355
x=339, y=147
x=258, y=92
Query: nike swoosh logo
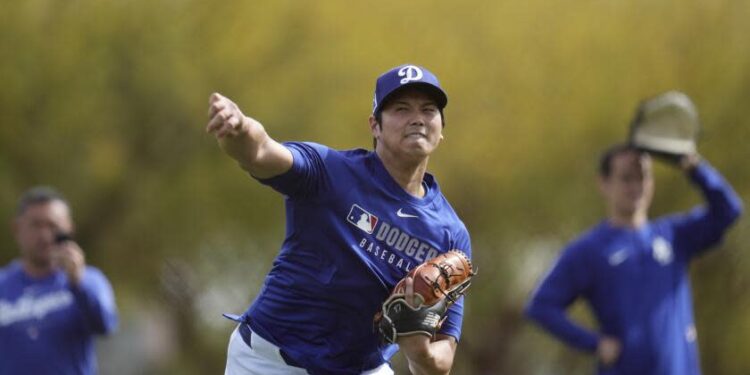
x=402, y=214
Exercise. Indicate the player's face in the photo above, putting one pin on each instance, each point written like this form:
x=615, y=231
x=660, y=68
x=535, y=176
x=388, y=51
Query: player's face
x=35, y=230
x=630, y=185
x=411, y=125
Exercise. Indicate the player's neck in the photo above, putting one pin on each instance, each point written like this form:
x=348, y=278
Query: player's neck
x=35, y=270
x=634, y=221
x=407, y=173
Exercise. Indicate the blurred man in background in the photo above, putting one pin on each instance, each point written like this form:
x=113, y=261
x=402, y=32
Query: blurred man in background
x=51, y=303
x=357, y=222
x=633, y=272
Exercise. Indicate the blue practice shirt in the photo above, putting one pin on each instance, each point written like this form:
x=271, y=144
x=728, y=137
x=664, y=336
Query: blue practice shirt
x=47, y=326
x=352, y=233
x=636, y=282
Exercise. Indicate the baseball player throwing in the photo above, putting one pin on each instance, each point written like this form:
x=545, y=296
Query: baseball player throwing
x=357, y=222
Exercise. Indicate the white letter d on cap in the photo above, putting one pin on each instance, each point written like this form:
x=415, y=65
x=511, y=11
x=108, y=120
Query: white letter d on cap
x=410, y=73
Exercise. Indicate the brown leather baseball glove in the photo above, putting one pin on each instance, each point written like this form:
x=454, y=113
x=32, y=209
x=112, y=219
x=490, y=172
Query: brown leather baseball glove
x=438, y=283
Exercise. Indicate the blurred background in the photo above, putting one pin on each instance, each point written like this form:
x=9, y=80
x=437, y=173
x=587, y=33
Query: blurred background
x=107, y=101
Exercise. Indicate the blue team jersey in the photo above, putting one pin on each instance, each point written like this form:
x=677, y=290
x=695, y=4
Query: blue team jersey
x=47, y=326
x=352, y=233
x=637, y=284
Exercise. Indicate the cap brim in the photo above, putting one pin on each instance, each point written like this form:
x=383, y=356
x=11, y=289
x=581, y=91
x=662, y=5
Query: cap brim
x=441, y=99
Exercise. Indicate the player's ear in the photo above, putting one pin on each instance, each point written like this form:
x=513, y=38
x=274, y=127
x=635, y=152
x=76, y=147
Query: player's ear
x=374, y=126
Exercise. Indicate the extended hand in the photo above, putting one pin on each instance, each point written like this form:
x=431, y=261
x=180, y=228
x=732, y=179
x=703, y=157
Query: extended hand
x=225, y=117
x=690, y=161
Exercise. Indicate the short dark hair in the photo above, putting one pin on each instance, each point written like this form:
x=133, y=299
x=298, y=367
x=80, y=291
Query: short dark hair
x=37, y=195
x=605, y=160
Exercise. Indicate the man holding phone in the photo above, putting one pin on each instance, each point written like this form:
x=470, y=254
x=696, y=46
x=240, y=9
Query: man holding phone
x=51, y=303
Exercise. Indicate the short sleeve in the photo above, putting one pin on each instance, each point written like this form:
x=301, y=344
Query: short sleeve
x=307, y=176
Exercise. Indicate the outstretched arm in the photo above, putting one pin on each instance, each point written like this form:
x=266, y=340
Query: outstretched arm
x=245, y=139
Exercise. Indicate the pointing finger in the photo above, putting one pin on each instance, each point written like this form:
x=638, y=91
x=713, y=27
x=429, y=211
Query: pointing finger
x=215, y=97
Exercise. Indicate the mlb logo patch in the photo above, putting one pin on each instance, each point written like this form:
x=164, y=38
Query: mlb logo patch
x=362, y=219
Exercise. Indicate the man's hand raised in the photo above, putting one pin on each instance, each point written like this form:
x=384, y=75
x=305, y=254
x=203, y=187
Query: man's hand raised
x=225, y=117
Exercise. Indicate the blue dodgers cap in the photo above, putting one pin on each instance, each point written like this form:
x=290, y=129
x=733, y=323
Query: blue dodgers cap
x=407, y=75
